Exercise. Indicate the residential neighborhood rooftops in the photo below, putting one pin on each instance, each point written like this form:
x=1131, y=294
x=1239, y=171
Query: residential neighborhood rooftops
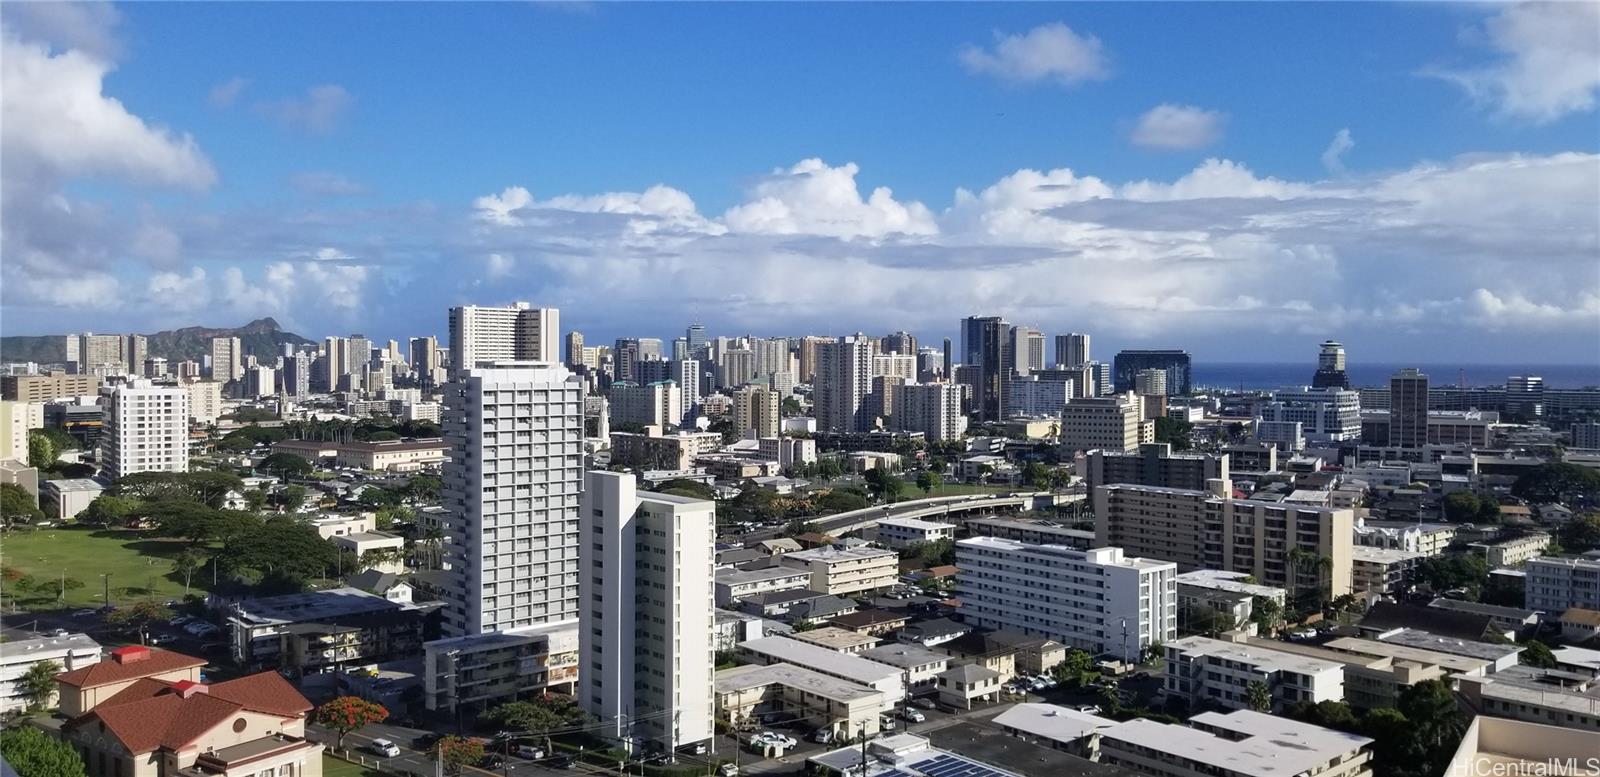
x=786, y=650
x=750, y=676
x=128, y=663
x=1254, y=744
x=1051, y=721
x=904, y=655
x=1254, y=655
x=1487, y=651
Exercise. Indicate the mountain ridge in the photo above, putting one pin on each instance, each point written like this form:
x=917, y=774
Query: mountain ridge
x=263, y=337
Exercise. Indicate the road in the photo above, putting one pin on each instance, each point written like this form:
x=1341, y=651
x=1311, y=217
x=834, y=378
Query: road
x=911, y=508
x=413, y=762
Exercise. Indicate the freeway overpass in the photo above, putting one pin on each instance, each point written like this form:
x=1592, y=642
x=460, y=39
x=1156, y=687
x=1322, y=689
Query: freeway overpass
x=940, y=507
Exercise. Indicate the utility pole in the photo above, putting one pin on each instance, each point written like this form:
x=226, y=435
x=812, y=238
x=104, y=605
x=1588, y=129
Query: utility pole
x=106, y=577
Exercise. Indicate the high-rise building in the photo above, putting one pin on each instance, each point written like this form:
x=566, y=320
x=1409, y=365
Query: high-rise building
x=330, y=367
x=48, y=388
x=650, y=349
x=842, y=383
x=651, y=404
x=696, y=335
x=295, y=380
x=511, y=489
x=260, y=382
x=897, y=365
x=227, y=359
x=1072, y=350
x=427, y=364
x=1408, y=409
x=1208, y=530
x=1586, y=435
x=155, y=367
x=736, y=367
x=145, y=429
x=574, y=349
x=948, y=368
x=1326, y=415
x=755, y=412
x=1127, y=365
x=1027, y=349
x=648, y=611
x=807, y=353
x=625, y=353
x=357, y=355
x=1150, y=383
x=1330, y=367
x=1095, y=600
x=899, y=342
x=987, y=344
x=686, y=372
x=770, y=356
x=519, y=332
x=16, y=419
x=1035, y=395
x=205, y=401
x=101, y=354
x=1525, y=396
x=1114, y=423
x=680, y=349
x=135, y=349
x=931, y=408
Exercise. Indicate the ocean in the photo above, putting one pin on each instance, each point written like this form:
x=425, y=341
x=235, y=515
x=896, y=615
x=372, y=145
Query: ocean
x=1248, y=375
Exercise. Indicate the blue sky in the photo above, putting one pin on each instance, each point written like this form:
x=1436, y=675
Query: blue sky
x=361, y=167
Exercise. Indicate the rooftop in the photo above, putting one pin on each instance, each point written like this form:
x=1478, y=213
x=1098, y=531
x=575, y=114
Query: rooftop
x=1105, y=557
x=1461, y=647
x=742, y=678
x=1370, y=555
x=1062, y=724
x=830, y=662
x=904, y=656
x=126, y=664
x=76, y=484
x=41, y=647
x=832, y=554
x=1369, y=647
x=1257, y=744
x=1233, y=582
x=748, y=576
x=312, y=605
x=1479, y=608
x=1265, y=658
x=835, y=638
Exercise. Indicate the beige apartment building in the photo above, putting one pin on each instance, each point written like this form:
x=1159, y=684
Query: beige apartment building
x=1208, y=530
x=1113, y=423
x=845, y=571
x=48, y=388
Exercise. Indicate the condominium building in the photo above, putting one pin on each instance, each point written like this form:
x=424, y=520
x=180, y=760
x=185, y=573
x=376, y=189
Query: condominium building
x=479, y=671
x=1114, y=423
x=1205, y=530
x=1072, y=350
x=1326, y=415
x=227, y=359
x=735, y=584
x=1027, y=349
x=68, y=652
x=146, y=429
x=1150, y=383
x=746, y=694
x=1097, y=600
x=1494, y=745
x=48, y=388
x=653, y=404
x=1408, y=409
x=895, y=365
x=646, y=613
x=843, y=380
x=900, y=533
x=1512, y=551
x=519, y=332
x=1533, y=695
x=845, y=571
x=1034, y=396
x=16, y=419
x=1155, y=464
x=755, y=412
x=884, y=678
x=654, y=450
x=931, y=408
x=511, y=486
x=1428, y=539
x=1556, y=583
x=1213, y=671
x=1242, y=743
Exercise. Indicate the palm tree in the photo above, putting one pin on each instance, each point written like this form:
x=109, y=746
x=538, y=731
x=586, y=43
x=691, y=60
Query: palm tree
x=1324, y=580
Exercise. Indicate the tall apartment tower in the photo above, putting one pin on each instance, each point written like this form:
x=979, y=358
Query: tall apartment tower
x=842, y=383
x=574, y=349
x=135, y=349
x=1408, y=409
x=695, y=335
x=146, y=429
x=986, y=343
x=427, y=363
x=899, y=342
x=1027, y=349
x=511, y=488
x=1114, y=423
x=227, y=359
x=949, y=373
x=755, y=410
x=1127, y=364
x=520, y=332
x=1072, y=350
x=1330, y=367
x=1150, y=383
x=931, y=408
x=624, y=355
x=647, y=617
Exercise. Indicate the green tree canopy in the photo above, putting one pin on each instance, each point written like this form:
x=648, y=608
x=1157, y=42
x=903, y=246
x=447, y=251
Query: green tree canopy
x=1176, y=432
x=281, y=552
x=18, y=506
x=1558, y=482
x=34, y=753
x=42, y=451
x=109, y=510
x=1537, y=654
x=287, y=465
x=1581, y=534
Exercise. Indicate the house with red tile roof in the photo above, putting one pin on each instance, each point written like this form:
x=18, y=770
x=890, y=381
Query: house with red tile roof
x=153, y=725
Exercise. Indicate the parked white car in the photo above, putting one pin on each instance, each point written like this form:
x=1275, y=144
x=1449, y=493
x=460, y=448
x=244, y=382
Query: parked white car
x=384, y=748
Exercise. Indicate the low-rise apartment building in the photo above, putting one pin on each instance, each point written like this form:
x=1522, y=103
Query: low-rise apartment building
x=1097, y=600
x=1553, y=698
x=899, y=533
x=838, y=640
x=733, y=585
x=843, y=571
x=1381, y=570
x=1429, y=539
x=1203, y=670
x=1512, y=551
x=744, y=694
x=1155, y=464
x=887, y=680
x=1030, y=531
x=920, y=667
x=325, y=631
x=1242, y=743
x=478, y=671
x=1556, y=583
x=1497, y=745
x=1375, y=678
x=73, y=651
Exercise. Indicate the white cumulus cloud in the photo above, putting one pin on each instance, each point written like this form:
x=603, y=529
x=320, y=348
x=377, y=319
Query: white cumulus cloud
x=1049, y=52
x=1169, y=127
x=812, y=197
x=1547, y=64
x=1333, y=155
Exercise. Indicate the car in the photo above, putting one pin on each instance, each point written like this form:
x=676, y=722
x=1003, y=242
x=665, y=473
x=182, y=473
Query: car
x=1305, y=634
x=425, y=742
x=777, y=740
x=179, y=620
x=85, y=613
x=530, y=752
x=925, y=703
x=824, y=736
x=886, y=723
x=728, y=770
x=1088, y=708
x=561, y=762
x=161, y=639
x=383, y=747
x=913, y=716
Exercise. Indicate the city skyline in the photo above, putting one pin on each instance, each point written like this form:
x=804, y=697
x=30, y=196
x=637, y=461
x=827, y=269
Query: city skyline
x=1416, y=181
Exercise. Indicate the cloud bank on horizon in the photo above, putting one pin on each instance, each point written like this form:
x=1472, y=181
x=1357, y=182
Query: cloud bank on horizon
x=1483, y=244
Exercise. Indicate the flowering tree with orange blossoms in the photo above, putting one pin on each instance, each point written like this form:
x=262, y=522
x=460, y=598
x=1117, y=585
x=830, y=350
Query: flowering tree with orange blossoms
x=348, y=713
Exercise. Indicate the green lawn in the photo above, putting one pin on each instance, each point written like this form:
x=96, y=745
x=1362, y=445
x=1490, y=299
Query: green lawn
x=338, y=767
x=139, y=565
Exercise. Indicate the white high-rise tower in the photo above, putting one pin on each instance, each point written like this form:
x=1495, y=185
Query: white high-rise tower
x=518, y=332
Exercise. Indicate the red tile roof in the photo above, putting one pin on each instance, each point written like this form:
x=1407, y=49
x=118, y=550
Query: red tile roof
x=151, y=714
x=110, y=671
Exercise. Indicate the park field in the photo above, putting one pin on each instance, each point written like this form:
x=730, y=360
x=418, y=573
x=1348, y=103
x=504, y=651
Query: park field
x=139, y=566
x=338, y=767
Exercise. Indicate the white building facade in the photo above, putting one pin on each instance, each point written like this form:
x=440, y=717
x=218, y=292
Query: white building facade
x=146, y=429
